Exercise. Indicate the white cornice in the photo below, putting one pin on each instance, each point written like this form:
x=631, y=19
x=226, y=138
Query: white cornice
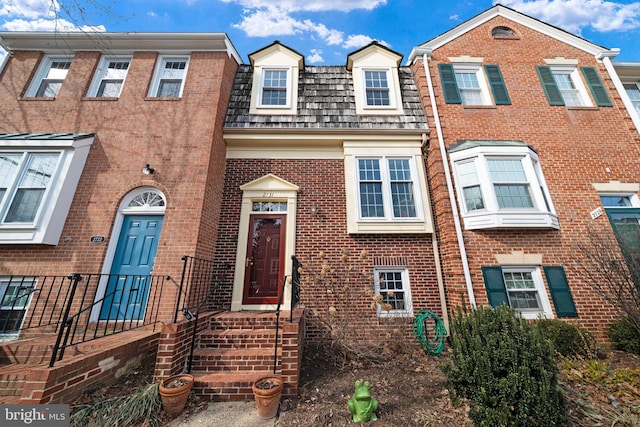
x=58, y=42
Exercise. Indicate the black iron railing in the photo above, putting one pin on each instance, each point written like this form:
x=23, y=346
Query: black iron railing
x=101, y=305
x=199, y=278
x=295, y=298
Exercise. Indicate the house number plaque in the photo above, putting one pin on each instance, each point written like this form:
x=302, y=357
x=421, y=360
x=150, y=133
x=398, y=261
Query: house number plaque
x=97, y=239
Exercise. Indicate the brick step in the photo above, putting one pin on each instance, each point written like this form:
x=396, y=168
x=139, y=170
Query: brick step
x=247, y=320
x=227, y=385
x=12, y=379
x=238, y=338
x=251, y=359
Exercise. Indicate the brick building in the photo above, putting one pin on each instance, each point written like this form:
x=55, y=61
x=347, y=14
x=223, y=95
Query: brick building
x=532, y=142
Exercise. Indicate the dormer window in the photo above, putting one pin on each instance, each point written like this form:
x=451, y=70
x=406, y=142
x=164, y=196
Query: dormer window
x=376, y=80
x=274, y=88
x=377, y=88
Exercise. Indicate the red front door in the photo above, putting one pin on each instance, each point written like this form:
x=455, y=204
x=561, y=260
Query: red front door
x=264, y=260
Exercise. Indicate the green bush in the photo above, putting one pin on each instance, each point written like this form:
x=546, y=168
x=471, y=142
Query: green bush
x=567, y=339
x=504, y=369
x=624, y=336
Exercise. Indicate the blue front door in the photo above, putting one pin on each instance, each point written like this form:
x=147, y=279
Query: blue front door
x=130, y=278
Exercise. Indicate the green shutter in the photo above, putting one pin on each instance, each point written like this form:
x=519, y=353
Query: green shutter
x=496, y=289
x=597, y=88
x=549, y=85
x=560, y=292
x=498, y=88
x=449, y=85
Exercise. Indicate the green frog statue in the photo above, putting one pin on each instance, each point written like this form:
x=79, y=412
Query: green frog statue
x=361, y=405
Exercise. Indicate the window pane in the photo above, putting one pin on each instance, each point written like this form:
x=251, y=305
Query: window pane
x=469, y=88
x=49, y=88
x=524, y=300
x=570, y=94
x=473, y=198
x=274, y=97
x=506, y=170
x=39, y=170
x=513, y=196
x=169, y=88
x=616, y=201
x=401, y=188
x=634, y=94
x=369, y=169
x=377, y=87
x=25, y=205
x=275, y=78
x=391, y=289
x=8, y=169
x=109, y=88
x=521, y=290
x=371, y=200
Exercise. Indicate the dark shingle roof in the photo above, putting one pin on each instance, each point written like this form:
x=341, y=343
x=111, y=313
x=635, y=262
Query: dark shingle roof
x=325, y=101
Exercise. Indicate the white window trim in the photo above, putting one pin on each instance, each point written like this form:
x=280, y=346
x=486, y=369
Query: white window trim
x=482, y=81
x=406, y=288
x=545, y=311
x=4, y=280
x=42, y=72
x=574, y=75
x=262, y=74
x=422, y=223
x=635, y=104
x=52, y=213
x=101, y=71
x=492, y=216
x=393, y=102
x=162, y=59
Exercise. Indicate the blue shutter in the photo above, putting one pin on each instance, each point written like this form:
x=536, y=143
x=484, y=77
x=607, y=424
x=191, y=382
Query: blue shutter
x=597, y=88
x=560, y=292
x=498, y=88
x=494, y=283
x=549, y=85
x=449, y=85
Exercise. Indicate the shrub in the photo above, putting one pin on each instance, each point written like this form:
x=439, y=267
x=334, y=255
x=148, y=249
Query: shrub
x=567, y=339
x=624, y=336
x=504, y=369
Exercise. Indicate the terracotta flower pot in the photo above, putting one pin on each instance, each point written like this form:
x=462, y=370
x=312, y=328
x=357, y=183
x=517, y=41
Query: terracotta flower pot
x=267, y=392
x=174, y=392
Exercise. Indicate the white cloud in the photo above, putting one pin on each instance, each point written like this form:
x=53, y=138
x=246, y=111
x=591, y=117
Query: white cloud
x=356, y=41
x=331, y=37
x=455, y=17
x=30, y=9
x=48, y=25
x=310, y=6
x=315, y=57
x=269, y=22
x=575, y=15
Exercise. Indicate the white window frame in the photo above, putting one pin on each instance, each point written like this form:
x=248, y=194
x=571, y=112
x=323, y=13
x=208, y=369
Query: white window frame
x=541, y=215
x=42, y=73
x=263, y=74
x=483, y=87
x=56, y=200
x=102, y=73
x=20, y=282
x=574, y=76
x=158, y=76
x=358, y=149
x=545, y=310
x=634, y=101
x=389, y=88
x=385, y=178
x=406, y=289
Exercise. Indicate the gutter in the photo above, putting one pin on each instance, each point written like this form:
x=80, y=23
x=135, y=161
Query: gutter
x=426, y=52
x=605, y=57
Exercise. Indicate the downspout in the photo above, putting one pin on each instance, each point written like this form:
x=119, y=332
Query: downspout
x=447, y=174
x=436, y=255
x=605, y=57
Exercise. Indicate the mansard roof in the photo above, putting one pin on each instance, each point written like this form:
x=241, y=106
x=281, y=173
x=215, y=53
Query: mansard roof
x=325, y=101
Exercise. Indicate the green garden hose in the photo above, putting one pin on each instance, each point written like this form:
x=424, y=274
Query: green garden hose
x=431, y=339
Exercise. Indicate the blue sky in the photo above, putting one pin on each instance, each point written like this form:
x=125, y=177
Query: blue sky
x=325, y=31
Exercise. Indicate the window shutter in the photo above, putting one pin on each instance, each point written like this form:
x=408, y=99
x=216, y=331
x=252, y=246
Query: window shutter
x=549, y=85
x=597, y=88
x=560, y=292
x=498, y=88
x=494, y=283
x=449, y=85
